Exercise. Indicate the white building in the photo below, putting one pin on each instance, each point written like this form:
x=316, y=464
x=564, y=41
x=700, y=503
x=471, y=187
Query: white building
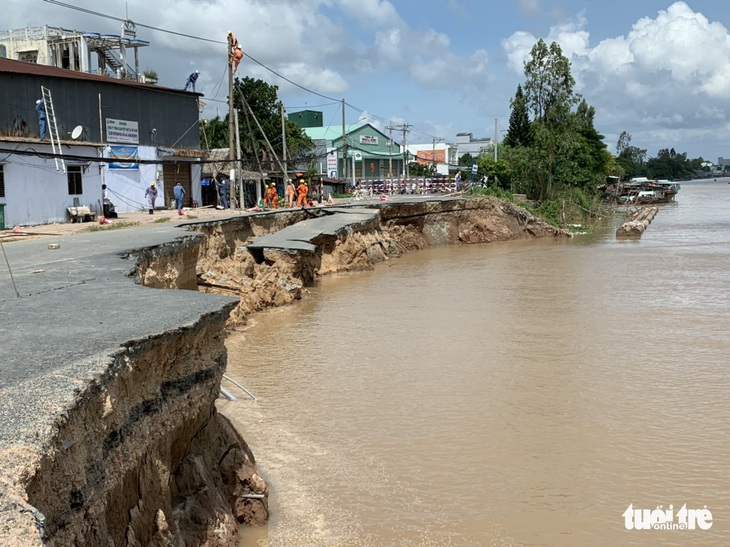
x=115, y=55
x=467, y=144
x=151, y=131
x=443, y=155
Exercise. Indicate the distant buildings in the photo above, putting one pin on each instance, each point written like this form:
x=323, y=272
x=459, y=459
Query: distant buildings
x=723, y=164
x=467, y=144
x=373, y=153
x=442, y=156
x=364, y=153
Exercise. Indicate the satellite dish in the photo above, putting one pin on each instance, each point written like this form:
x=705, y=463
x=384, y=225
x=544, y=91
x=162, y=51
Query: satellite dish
x=76, y=133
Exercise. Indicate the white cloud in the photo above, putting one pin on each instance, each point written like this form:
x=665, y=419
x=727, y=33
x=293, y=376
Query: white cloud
x=667, y=75
x=373, y=13
x=662, y=75
x=517, y=48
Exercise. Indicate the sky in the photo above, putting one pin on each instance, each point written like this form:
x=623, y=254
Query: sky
x=659, y=70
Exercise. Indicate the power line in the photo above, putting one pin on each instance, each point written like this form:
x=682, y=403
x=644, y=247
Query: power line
x=200, y=38
x=107, y=16
x=158, y=29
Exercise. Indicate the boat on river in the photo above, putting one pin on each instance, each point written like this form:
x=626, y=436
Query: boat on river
x=640, y=191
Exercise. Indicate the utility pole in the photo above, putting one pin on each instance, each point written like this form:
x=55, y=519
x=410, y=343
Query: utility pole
x=344, y=144
x=283, y=145
x=495, y=140
x=231, y=119
x=390, y=151
x=433, y=153
x=239, y=178
x=405, y=128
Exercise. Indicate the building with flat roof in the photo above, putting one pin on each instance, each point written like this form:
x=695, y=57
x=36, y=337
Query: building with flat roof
x=119, y=132
x=467, y=144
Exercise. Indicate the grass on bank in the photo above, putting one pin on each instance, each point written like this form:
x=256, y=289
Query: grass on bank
x=570, y=208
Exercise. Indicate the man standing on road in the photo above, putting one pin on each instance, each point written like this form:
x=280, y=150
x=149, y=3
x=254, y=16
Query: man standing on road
x=151, y=195
x=223, y=188
x=179, y=193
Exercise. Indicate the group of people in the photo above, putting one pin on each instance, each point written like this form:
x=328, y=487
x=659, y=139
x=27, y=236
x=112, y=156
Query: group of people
x=270, y=197
x=178, y=192
x=271, y=194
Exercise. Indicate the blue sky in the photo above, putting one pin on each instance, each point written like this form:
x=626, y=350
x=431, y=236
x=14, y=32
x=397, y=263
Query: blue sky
x=659, y=70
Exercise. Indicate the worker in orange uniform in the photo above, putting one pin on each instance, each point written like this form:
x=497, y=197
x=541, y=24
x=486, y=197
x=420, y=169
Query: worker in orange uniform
x=236, y=57
x=302, y=190
x=266, y=196
x=273, y=196
x=234, y=51
x=290, y=191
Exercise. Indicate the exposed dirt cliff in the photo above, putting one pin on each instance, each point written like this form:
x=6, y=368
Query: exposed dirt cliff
x=226, y=266
x=143, y=458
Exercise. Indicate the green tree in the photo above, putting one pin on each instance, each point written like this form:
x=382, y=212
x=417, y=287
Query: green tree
x=263, y=101
x=421, y=170
x=498, y=171
x=670, y=164
x=466, y=160
x=590, y=156
x=624, y=141
x=631, y=159
x=549, y=95
x=214, y=133
x=549, y=86
x=520, y=128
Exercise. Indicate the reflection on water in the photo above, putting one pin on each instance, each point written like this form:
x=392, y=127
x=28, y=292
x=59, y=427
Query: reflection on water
x=520, y=393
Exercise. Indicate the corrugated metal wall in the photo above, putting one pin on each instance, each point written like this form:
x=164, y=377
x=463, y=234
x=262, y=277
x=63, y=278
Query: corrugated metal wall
x=172, y=115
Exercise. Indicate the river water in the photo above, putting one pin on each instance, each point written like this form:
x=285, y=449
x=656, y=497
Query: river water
x=508, y=394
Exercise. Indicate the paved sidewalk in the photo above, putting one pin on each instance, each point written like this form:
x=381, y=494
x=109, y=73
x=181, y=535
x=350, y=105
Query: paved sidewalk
x=141, y=218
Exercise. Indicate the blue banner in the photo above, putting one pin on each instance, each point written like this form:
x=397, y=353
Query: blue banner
x=124, y=153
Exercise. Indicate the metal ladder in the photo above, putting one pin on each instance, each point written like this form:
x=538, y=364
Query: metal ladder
x=53, y=129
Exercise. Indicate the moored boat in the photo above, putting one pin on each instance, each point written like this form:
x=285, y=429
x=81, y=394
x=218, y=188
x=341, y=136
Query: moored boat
x=640, y=190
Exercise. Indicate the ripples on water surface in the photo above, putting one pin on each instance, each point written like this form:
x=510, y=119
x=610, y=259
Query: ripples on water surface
x=519, y=393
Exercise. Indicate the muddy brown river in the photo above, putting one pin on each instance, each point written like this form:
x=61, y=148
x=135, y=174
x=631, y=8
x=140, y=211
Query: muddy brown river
x=510, y=394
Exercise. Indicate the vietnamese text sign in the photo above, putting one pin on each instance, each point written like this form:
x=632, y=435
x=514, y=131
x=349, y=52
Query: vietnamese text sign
x=424, y=157
x=368, y=139
x=332, y=163
x=122, y=131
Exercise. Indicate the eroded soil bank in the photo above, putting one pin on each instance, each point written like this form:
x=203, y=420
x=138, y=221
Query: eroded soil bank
x=140, y=456
x=278, y=277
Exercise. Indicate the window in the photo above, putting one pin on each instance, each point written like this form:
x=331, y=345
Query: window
x=73, y=172
x=28, y=56
x=2, y=182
